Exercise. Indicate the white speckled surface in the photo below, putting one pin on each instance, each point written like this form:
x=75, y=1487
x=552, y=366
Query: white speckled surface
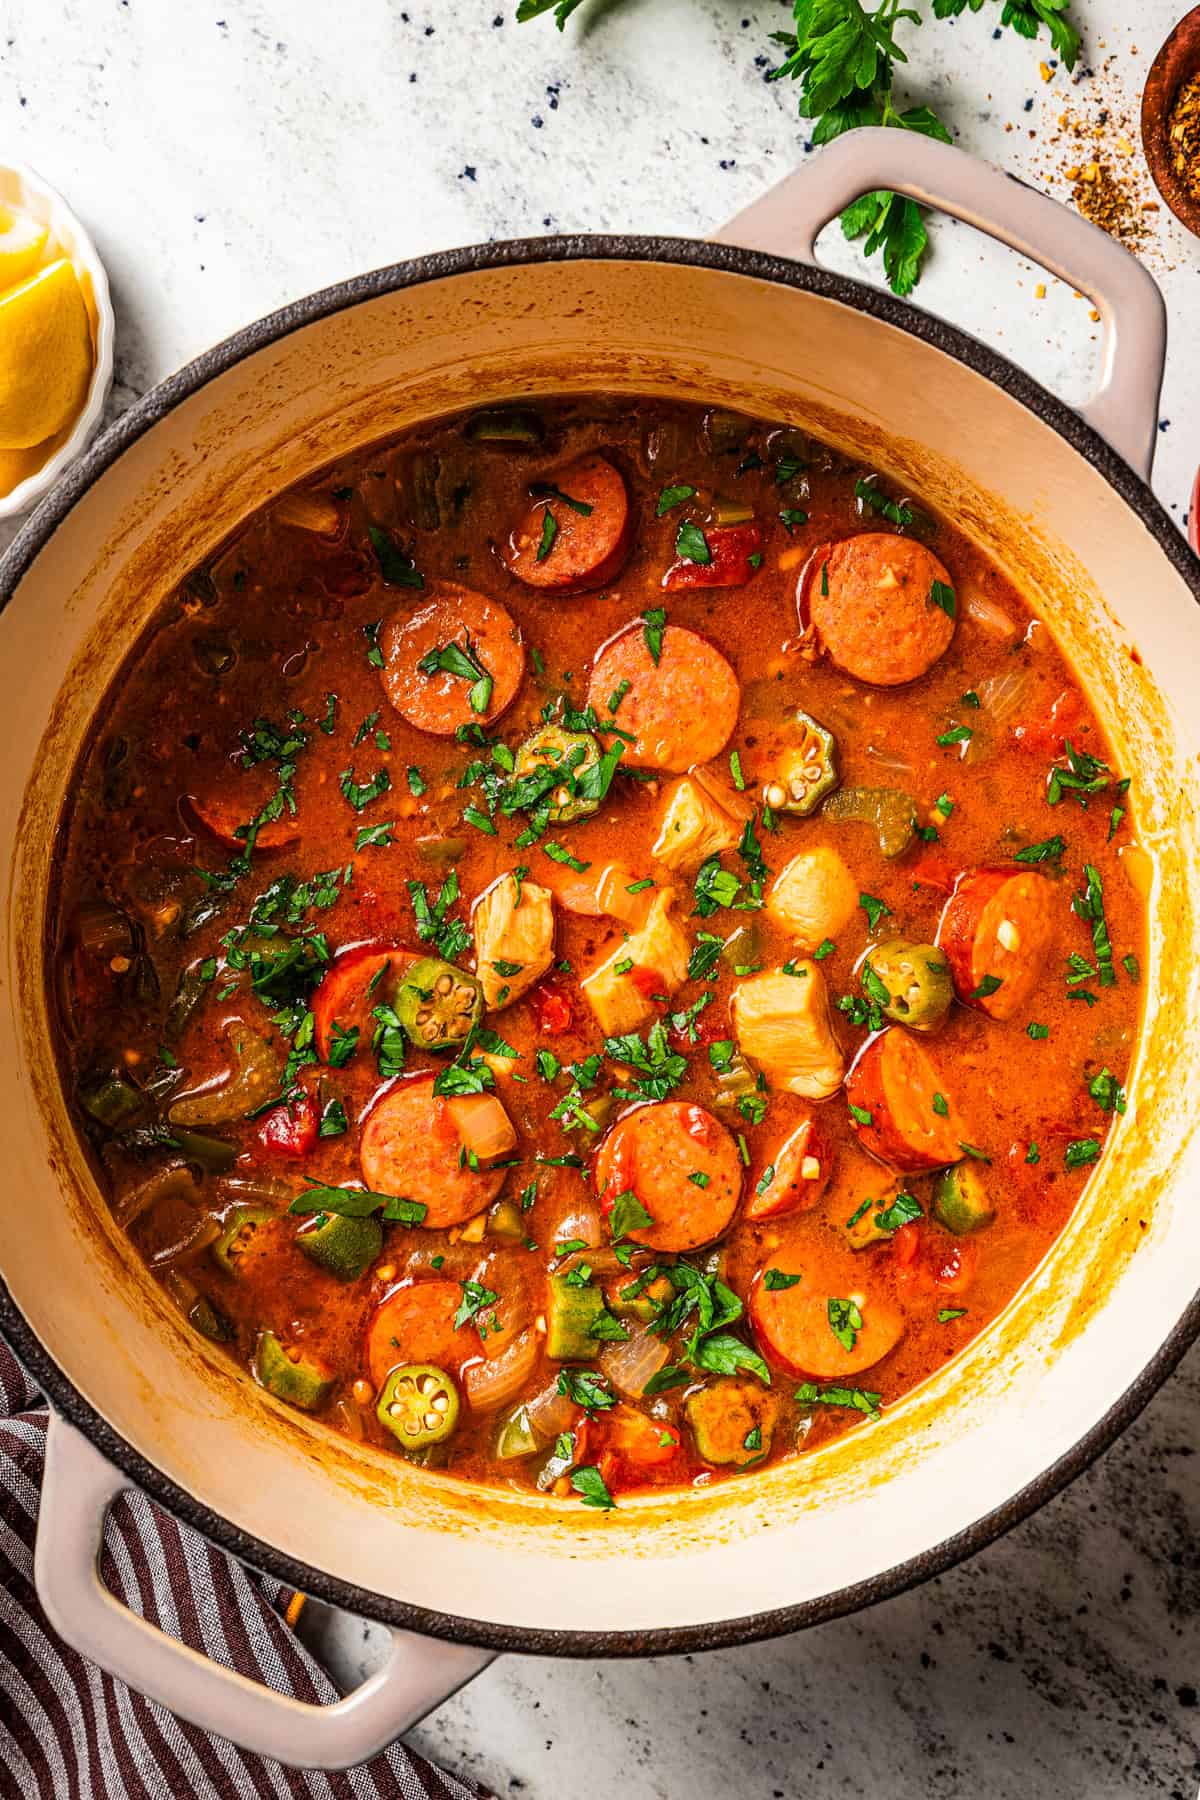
x=231, y=156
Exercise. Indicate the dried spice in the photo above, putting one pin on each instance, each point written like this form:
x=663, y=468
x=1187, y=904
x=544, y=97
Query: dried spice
x=1092, y=147
x=1184, y=134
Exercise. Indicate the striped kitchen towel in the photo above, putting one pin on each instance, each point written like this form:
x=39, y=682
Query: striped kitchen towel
x=69, y=1732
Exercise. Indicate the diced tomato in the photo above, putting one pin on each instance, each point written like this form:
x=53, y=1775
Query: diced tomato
x=638, y=1440
x=1046, y=737
x=905, y=1244
x=704, y=1029
x=610, y=1467
x=952, y=1265
x=553, y=1008
x=648, y=982
x=290, y=1129
x=934, y=871
x=730, y=549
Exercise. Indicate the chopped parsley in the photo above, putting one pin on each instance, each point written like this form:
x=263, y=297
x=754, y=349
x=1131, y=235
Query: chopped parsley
x=1050, y=849
x=359, y=1203
x=395, y=565
x=1107, y=1092
x=866, y=492
x=361, y=793
x=590, y=1485
x=845, y=1321
x=546, y=490
x=1081, y=1151
x=475, y=1297
x=1090, y=906
x=654, y=623
x=672, y=497
x=1083, y=775
x=857, y=1399
x=627, y=1214
x=691, y=544
x=875, y=909
x=460, y=661
x=658, y=1070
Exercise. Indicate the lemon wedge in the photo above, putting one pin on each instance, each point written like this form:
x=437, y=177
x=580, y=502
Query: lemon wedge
x=18, y=465
x=22, y=246
x=45, y=356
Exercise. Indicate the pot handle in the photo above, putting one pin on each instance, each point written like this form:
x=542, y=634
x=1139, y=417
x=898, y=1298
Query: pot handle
x=787, y=219
x=78, y=1488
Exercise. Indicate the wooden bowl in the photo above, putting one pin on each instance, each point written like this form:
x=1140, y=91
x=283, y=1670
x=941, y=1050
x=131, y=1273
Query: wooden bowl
x=1175, y=63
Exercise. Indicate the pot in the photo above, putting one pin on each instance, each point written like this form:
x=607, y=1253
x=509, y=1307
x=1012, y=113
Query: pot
x=1059, y=499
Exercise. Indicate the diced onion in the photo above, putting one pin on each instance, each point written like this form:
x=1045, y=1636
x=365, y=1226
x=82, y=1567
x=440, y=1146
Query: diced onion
x=1001, y=697
x=898, y=770
x=258, y=1190
x=177, y=1182
x=498, y=1381
x=551, y=1412
x=349, y=1418
x=581, y=1224
x=630, y=1365
x=989, y=617
x=202, y=1231
x=483, y=1125
x=309, y=511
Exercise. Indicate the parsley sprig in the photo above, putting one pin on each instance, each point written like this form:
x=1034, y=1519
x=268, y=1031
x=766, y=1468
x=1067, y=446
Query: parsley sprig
x=843, y=54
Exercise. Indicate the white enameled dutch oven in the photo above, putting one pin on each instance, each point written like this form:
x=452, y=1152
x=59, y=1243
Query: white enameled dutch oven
x=1059, y=498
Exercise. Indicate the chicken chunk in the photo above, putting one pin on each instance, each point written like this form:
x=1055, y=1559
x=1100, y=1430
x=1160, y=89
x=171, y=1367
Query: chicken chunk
x=693, y=826
x=783, y=1026
x=814, y=897
x=513, y=926
x=652, y=960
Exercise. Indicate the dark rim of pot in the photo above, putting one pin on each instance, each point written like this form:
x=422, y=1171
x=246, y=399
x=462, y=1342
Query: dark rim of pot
x=36, y=533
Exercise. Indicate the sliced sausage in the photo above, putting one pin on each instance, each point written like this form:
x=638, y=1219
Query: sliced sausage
x=996, y=931
x=411, y=1147
x=354, y=984
x=578, y=530
x=870, y=600
x=798, y=1327
x=653, y=1153
x=796, y=1176
x=415, y=1324
x=442, y=701
x=900, y=1110
x=224, y=813
x=732, y=550
x=680, y=710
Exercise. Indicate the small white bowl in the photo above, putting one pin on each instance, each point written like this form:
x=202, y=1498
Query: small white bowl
x=23, y=189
